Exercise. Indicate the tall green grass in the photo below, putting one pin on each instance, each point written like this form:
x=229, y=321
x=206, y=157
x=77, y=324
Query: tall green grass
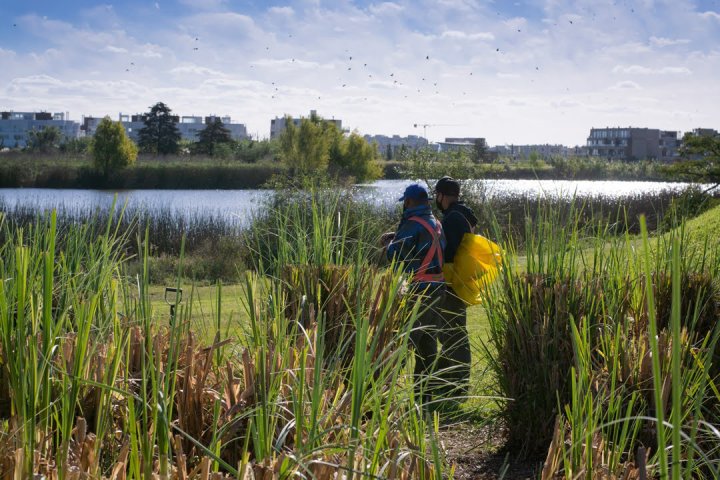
x=591, y=366
x=100, y=384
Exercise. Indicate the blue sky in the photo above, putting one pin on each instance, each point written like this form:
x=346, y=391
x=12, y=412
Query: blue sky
x=536, y=71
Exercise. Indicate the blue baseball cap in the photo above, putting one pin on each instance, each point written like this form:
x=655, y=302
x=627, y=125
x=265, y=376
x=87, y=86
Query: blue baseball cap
x=414, y=191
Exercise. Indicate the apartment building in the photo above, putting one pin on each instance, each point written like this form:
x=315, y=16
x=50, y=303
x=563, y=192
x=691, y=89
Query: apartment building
x=16, y=126
x=456, y=144
x=395, y=143
x=624, y=143
x=188, y=126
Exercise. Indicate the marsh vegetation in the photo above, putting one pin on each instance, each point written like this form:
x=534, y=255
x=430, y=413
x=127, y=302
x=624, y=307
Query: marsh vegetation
x=598, y=346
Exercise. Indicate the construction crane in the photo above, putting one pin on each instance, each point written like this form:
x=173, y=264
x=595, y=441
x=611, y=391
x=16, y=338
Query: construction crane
x=425, y=125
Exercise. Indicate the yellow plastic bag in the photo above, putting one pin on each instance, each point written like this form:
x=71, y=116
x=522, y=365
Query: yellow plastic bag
x=476, y=264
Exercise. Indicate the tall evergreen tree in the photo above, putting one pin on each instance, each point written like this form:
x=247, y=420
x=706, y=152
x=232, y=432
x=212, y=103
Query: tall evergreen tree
x=160, y=134
x=388, y=152
x=212, y=135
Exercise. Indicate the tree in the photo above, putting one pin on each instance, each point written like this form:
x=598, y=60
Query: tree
x=160, y=134
x=111, y=148
x=356, y=158
x=76, y=146
x=479, y=153
x=44, y=140
x=211, y=136
x=315, y=145
x=388, y=152
x=305, y=148
x=700, y=160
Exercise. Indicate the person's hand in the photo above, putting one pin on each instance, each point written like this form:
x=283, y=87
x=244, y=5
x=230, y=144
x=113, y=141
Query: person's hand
x=386, y=238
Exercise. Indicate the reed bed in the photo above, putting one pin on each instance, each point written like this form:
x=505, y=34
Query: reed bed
x=94, y=383
x=219, y=247
x=605, y=350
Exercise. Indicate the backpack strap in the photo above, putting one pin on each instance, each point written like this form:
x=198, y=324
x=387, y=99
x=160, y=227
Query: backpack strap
x=421, y=275
x=470, y=227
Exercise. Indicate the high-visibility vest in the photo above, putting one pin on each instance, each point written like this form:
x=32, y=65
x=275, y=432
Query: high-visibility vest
x=422, y=275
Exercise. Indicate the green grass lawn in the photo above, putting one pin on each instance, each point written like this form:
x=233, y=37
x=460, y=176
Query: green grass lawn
x=203, y=304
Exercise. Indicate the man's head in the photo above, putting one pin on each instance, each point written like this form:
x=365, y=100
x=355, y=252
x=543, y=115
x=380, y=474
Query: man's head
x=447, y=192
x=413, y=196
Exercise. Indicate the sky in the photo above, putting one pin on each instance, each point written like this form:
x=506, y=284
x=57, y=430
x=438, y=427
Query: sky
x=528, y=72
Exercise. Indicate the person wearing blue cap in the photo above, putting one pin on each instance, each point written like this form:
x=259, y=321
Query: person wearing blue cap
x=419, y=243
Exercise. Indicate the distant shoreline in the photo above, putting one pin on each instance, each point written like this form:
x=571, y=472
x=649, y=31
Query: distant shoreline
x=199, y=173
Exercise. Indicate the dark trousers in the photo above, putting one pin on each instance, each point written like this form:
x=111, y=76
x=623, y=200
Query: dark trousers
x=423, y=339
x=453, y=366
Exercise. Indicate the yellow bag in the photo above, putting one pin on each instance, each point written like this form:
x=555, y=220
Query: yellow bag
x=476, y=264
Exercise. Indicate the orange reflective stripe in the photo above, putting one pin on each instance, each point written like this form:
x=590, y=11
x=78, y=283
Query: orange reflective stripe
x=421, y=275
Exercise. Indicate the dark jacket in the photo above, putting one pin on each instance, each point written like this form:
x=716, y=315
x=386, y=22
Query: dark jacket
x=457, y=221
x=412, y=241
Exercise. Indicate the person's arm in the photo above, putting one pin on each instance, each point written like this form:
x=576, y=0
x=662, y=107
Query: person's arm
x=403, y=245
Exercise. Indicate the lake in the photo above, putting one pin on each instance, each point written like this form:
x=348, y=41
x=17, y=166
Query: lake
x=237, y=205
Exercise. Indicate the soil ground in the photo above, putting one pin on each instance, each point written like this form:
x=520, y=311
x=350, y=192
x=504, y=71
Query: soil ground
x=477, y=452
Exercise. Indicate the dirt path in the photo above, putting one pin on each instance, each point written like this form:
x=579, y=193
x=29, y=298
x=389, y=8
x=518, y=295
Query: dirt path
x=476, y=450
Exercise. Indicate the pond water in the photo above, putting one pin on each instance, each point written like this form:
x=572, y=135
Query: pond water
x=237, y=205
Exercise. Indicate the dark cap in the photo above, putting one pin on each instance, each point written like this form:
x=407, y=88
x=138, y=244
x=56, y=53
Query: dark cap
x=448, y=186
x=414, y=191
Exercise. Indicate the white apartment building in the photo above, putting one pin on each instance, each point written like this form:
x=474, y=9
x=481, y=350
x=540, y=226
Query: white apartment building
x=188, y=126
x=15, y=126
x=396, y=142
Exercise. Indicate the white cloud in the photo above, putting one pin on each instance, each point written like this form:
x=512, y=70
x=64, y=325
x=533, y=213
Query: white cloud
x=148, y=52
x=385, y=8
x=114, y=49
x=667, y=42
x=710, y=15
x=457, y=34
x=625, y=85
x=7, y=53
x=286, y=11
x=196, y=70
x=203, y=4
x=462, y=5
x=287, y=63
x=641, y=70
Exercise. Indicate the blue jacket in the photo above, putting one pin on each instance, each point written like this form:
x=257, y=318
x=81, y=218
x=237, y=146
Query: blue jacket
x=412, y=241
